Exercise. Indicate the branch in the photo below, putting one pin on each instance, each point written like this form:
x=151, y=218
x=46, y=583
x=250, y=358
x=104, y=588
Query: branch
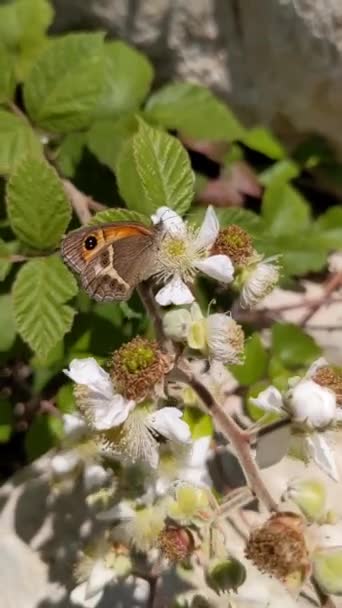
x=78, y=200
x=153, y=311
x=235, y=435
x=333, y=283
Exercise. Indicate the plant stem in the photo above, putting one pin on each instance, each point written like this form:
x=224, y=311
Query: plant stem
x=325, y=600
x=236, y=436
x=79, y=201
x=153, y=311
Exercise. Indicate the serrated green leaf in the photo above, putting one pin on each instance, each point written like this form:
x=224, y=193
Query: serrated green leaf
x=40, y=291
x=127, y=80
x=330, y=227
x=262, y=140
x=105, y=138
x=119, y=215
x=43, y=434
x=293, y=346
x=6, y=420
x=7, y=76
x=7, y=324
x=65, y=83
x=70, y=152
x=18, y=141
x=284, y=210
x=194, y=111
x=248, y=220
x=154, y=170
x=38, y=208
x=254, y=367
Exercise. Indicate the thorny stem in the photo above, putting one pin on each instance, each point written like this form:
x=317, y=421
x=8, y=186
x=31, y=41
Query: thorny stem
x=235, y=435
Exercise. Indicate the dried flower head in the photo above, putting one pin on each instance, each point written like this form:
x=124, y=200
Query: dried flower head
x=176, y=543
x=278, y=547
x=257, y=280
x=137, y=367
x=330, y=377
x=234, y=242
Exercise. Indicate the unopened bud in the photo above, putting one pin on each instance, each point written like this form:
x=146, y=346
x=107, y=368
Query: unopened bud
x=226, y=575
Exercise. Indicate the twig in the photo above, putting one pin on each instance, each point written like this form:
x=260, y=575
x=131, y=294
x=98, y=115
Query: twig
x=324, y=599
x=79, y=201
x=333, y=283
x=153, y=311
x=237, y=437
x=13, y=259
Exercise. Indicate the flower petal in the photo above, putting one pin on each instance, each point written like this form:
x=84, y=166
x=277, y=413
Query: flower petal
x=109, y=413
x=315, y=366
x=174, y=292
x=209, y=230
x=94, y=476
x=269, y=400
x=88, y=371
x=172, y=222
x=78, y=597
x=100, y=575
x=65, y=462
x=176, y=323
x=167, y=422
x=122, y=511
x=322, y=454
x=218, y=267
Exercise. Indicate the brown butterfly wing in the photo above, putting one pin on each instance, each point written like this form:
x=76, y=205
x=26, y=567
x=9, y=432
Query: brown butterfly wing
x=122, y=257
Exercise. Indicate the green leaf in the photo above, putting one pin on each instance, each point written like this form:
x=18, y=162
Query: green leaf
x=119, y=215
x=293, y=346
x=330, y=226
x=105, y=138
x=65, y=398
x=128, y=77
x=70, y=152
x=7, y=76
x=18, y=140
x=284, y=210
x=43, y=434
x=40, y=291
x=282, y=171
x=154, y=170
x=38, y=208
x=194, y=111
x=7, y=323
x=6, y=420
x=298, y=256
x=255, y=364
x=23, y=22
x=6, y=250
x=262, y=140
x=201, y=425
x=249, y=221
x=65, y=83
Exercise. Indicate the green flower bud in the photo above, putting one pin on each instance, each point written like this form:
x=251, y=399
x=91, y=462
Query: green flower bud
x=226, y=575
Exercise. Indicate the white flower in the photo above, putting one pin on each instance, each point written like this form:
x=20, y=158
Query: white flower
x=312, y=404
x=102, y=406
x=312, y=409
x=258, y=281
x=90, y=591
x=225, y=338
x=184, y=252
x=65, y=462
x=138, y=440
x=185, y=465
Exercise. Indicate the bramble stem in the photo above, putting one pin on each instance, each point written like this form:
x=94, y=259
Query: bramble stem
x=236, y=436
x=153, y=311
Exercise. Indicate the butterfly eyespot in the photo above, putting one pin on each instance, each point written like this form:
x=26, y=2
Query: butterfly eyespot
x=90, y=242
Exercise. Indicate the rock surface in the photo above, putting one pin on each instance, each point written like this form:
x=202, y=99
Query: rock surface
x=277, y=62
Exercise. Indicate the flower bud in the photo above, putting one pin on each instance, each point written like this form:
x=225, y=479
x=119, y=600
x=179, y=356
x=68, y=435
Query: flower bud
x=327, y=570
x=312, y=405
x=226, y=575
x=278, y=548
x=176, y=543
x=225, y=338
x=310, y=496
x=257, y=280
x=190, y=503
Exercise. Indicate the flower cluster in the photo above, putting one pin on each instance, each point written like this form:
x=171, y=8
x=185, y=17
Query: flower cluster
x=311, y=403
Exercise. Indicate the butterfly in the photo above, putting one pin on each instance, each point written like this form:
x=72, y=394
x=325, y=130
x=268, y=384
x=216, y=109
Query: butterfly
x=112, y=259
